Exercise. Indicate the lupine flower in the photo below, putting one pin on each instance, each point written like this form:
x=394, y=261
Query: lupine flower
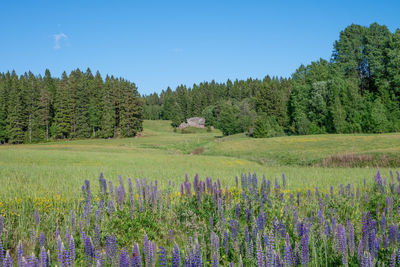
x=197, y=256
x=305, y=256
x=392, y=262
x=226, y=243
x=234, y=229
x=176, y=256
x=296, y=255
x=111, y=248
x=32, y=236
x=385, y=242
x=20, y=253
x=1, y=252
x=136, y=259
x=7, y=260
x=351, y=239
x=393, y=234
x=288, y=253
x=99, y=257
x=260, y=254
x=71, y=247
x=123, y=259
x=43, y=257
x=89, y=250
x=162, y=257
x=214, y=262
x=341, y=240
x=97, y=236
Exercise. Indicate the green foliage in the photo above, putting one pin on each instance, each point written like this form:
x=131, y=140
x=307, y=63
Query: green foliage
x=322, y=97
x=266, y=126
x=228, y=119
x=34, y=109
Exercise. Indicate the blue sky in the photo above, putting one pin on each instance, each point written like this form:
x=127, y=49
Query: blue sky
x=166, y=43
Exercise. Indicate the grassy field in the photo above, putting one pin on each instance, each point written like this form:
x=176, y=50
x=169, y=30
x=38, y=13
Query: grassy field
x=159, y=153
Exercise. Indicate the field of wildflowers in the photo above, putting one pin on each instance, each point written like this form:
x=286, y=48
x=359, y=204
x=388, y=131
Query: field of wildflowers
x=257, y=222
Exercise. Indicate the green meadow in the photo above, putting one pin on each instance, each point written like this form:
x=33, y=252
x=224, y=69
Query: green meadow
x=160, y=153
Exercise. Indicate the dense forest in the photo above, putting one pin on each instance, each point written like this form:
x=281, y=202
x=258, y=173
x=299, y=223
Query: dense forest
x=357, y=91
x=81, y=105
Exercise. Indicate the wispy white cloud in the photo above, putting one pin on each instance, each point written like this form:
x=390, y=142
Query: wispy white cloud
x=58, y=38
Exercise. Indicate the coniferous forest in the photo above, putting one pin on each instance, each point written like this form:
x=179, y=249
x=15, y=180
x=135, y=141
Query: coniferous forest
x=81, y=105
x=357, y=91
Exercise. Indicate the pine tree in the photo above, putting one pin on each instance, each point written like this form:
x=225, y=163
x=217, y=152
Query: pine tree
x=3, y=108
x=16, y=123
x=61, y=127
x=108, y=112
x=131, y=111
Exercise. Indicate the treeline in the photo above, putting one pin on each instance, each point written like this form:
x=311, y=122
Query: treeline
x=358, y=90
x=81, y=105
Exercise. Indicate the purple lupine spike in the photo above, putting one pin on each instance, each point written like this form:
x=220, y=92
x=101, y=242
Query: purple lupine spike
x=43, y=257
x=1, y=252
x=288, y=253
x=214, y=262
x=111, y=207
x=296, y=255
x=20, y=253
x=305, y=255
x=59, y=246
x=385, y=241
x=234, y=229
x=393, y=234
x=71, y=249
x=136, y=259
x=392, y=262
x=123, y=259
x=270, y=249
x=32, y=236
x=341, y=241
x=197, y=256
x=111, y=248
x=99, y=256
x=162, y=257
x=176, y=256
x=383, y=222
x=250, y=249
x=170, y=235
x=260, y=254
x=42, y=240
x=365, y=231
x=351, y=240
x=226, y=243
x=7, y=260
x=96, y=236
x=89, y=250
x=72, y=220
